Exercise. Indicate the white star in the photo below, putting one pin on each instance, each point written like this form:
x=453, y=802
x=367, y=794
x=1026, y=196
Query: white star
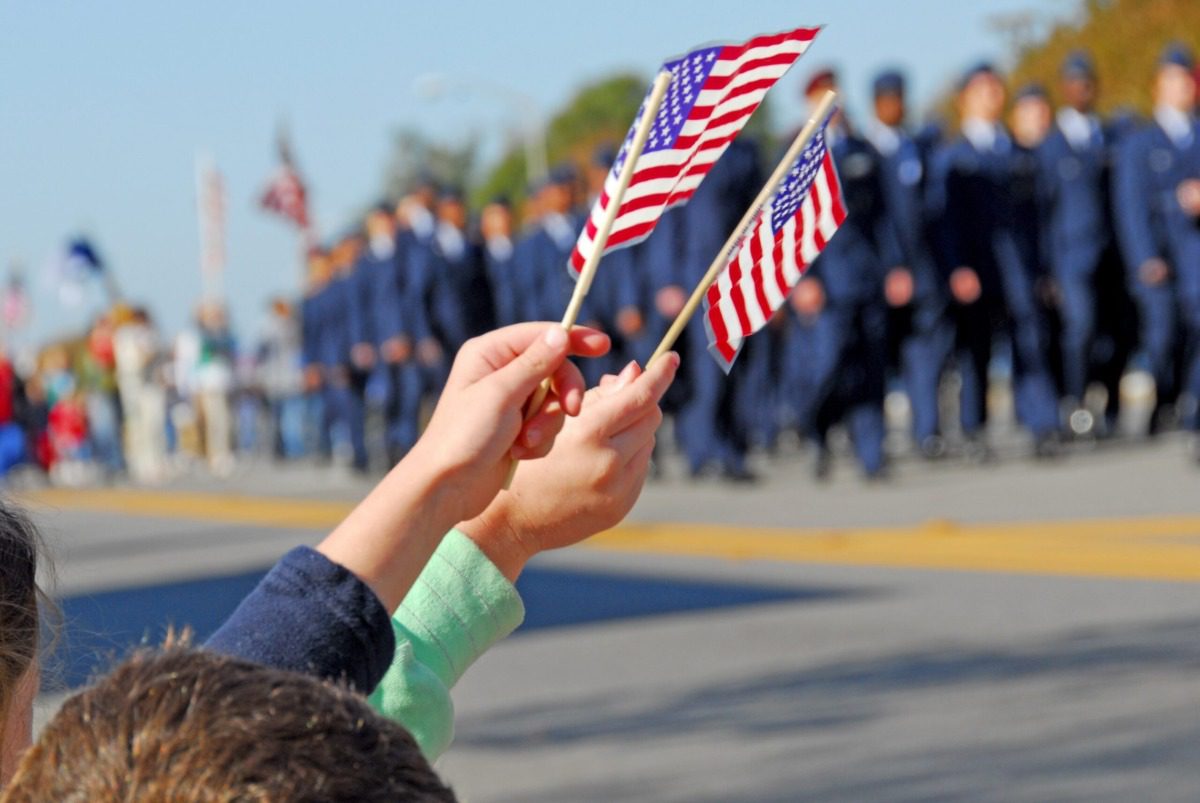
x=711, y=55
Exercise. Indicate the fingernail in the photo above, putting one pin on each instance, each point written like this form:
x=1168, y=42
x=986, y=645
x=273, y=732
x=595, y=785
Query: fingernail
x=674, y=358
x=556, y=337
x=533, y=436
x=627, y=374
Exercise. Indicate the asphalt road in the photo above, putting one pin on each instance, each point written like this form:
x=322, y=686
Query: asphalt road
x=1010, y=632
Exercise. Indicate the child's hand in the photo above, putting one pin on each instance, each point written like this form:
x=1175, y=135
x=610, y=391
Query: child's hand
x=590, y=479
x=479, y=425
x=460, y=462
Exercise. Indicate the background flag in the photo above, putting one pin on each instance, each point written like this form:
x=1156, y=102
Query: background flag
x=286, y=194
x=716, y=89
x=789, y=232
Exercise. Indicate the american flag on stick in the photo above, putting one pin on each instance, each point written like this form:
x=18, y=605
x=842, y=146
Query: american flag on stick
x=716, y=88
x=789, y=232
x=285, y=194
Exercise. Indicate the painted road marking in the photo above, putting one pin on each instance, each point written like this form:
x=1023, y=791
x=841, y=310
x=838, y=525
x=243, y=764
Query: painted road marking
x=1151, y=548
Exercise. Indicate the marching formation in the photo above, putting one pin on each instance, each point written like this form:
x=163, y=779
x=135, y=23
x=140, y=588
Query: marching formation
x=1035, y=245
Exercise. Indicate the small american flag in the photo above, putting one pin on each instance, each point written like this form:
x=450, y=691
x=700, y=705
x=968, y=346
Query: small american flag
x=285, y=194
x=790, y=231
x=715, y=90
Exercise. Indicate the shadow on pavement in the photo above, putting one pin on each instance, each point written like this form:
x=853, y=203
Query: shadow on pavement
x=100, y=628
x=1055, y=758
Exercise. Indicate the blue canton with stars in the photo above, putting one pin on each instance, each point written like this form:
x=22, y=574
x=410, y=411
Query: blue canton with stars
x=690, y=73
x=795, y=187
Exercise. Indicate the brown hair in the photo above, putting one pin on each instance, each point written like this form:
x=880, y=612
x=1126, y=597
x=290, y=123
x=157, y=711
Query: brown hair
x=19, y=598
x=188, y=725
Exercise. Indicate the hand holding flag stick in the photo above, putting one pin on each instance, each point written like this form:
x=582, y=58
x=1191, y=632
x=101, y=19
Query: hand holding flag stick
x=818, y=119
x=588, y=273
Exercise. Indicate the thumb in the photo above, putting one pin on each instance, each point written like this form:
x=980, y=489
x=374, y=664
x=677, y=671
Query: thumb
x=537, y=362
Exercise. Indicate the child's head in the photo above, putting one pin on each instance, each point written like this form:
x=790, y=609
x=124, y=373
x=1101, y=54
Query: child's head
x=19, y=628
x=184, y=724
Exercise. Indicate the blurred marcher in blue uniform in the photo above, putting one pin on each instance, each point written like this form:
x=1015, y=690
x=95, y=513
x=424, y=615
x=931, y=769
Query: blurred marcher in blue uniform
x=920, y=336
x=312, y=354
x=1157, y=204
x=708, y=425
x=661, y=287
x=614, y=296
x=419, y=375
x=499, y=259
x=838, y=349
x=461, y=298
x=1076, y=211
x=344, y=327
x=390, y=345
x=987, y=253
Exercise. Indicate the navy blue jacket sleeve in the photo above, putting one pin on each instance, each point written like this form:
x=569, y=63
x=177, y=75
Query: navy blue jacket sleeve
x=313, y=616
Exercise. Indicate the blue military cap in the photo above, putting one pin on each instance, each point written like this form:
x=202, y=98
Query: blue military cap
x=604, y=155
x=1179, y=55
x=452, y=193
x=888, y=82
x=974, y=71
x=564, y=173
x=1078, y=65
x=1033, y=89
x=383, y=206
x=500, y=199
x=426, y=180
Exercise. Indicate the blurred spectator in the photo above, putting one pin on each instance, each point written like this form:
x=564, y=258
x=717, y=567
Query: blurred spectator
x=204, y=374
x=137, y=355
x=98, y=388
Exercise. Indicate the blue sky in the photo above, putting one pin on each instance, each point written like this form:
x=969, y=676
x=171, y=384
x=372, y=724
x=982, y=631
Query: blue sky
x=104, y=106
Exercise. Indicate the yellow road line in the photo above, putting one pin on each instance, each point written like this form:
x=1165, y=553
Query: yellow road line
x=1153, y=548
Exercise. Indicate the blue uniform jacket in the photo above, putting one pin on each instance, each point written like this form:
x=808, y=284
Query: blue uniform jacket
x=1150, y=221
x=852, y=264
x=1075, y=205
x=379, y=277
x=973, y=194
x=414, y=258
x=338, y=319
x=903, y=176
x=460, y=299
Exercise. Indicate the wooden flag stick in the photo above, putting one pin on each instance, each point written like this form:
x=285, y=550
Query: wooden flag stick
x=735, y=238
x=588, y=273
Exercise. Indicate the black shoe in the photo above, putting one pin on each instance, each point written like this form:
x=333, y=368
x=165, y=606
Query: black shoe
x=1165, y=419
x=739, y=475
x=976, y=450
x=877, y=476
x=1047, y=446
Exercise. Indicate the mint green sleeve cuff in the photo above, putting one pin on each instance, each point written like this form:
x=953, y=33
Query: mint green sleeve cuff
x=458, y=608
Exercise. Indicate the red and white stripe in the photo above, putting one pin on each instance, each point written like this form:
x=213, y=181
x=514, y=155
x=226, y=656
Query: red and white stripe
x=666, y=178
x=768, y=265
x=285, y=195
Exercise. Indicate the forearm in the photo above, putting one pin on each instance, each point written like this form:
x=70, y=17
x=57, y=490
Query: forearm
x=388, y=538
